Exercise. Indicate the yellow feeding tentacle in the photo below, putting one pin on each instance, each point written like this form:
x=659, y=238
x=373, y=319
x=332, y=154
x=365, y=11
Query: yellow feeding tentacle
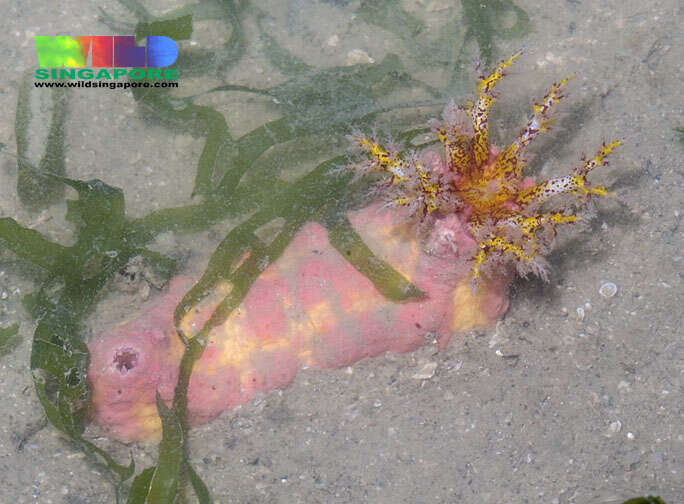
x=508, y=163
x=497, y=243
x=540, y=121
x=480, y=116
x=545, y=190
x=479, y=112
x=570, y=183
x=579, y=182
x=376, y=152
x=404, y=200
x=459, y=157
x=429, y=189
x=382, y=160
x=530, y=224
x=598, y=159
x=552, y=97
x=485, y=85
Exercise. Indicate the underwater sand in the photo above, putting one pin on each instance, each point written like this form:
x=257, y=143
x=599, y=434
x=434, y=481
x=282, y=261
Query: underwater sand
x=572, y=398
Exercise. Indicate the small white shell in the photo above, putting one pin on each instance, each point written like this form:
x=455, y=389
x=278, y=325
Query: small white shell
x=608, y=289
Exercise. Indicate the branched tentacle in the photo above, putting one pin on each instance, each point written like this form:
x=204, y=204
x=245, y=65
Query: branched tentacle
x=575, y=184
x=499, y=244
x=598, y=159
x=382, y=160
x=479, y=111
x=455, y=134
x=529, y=225
x=509, y=163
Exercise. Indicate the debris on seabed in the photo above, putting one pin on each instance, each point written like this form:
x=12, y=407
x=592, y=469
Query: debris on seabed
x=426, y=372
x=356, y=56
x=614, y=427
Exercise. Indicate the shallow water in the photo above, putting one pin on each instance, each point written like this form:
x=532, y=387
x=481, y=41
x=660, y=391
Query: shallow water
x=572, y=398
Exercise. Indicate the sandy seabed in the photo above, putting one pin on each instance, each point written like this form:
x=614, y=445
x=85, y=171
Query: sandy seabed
x=572, y=398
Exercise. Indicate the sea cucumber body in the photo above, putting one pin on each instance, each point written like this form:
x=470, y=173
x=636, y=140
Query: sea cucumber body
x=310, y=308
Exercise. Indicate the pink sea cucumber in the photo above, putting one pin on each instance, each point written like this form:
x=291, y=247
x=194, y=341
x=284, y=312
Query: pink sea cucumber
x=310, y=308
x=478, y=220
